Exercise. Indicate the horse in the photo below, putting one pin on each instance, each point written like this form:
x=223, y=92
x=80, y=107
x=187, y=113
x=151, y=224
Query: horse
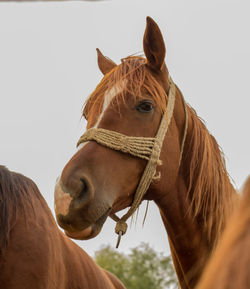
x=34, y=253
x=144, y=142
x=229, y=266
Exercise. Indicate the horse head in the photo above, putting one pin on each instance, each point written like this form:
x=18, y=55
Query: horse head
x=130, y=102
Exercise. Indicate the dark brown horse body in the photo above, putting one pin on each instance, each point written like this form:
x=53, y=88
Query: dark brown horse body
x=229, y=267
x=194, y=197
x=34, y=253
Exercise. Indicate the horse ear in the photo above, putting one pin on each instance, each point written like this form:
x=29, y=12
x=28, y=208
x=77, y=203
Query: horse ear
x=105, y=64
x=153, y=45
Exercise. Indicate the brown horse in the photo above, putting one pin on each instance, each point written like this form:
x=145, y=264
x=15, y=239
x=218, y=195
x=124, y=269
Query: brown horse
x=34, y=253
x=191, y=187
x=229, y=267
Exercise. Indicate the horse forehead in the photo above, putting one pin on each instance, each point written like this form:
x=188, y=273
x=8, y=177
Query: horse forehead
x=109, y=95
x=112, y=92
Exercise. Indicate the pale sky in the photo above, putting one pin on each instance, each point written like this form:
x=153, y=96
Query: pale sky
x=48, y=68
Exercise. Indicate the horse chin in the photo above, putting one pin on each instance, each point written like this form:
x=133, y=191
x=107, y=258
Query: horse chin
x=89, y=232
x=80, y=235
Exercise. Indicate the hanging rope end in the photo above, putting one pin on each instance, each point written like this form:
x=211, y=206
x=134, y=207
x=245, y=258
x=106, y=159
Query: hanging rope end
x=118, y=240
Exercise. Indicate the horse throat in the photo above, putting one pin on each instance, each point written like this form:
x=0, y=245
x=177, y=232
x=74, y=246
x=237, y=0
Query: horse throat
x=189, y=248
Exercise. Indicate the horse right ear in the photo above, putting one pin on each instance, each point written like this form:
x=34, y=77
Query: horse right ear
x=105, y=64
x=153, y=45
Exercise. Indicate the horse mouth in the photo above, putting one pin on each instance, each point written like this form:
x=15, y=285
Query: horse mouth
x=91, y=231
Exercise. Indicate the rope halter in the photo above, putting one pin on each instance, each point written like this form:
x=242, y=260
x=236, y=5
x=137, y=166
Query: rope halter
x=147, y=148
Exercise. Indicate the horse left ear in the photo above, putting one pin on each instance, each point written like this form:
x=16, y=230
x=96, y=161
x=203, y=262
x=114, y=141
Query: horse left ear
x=153, y=45
x=105, y=64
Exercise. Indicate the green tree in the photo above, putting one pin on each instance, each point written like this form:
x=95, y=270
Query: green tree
x=143, y=268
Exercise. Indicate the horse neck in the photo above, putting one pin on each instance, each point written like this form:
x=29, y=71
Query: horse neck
x=188, y=245
x=21, y=206
x=201, y=199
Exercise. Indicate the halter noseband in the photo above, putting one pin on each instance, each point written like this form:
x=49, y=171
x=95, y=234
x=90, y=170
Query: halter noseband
x=147, y=148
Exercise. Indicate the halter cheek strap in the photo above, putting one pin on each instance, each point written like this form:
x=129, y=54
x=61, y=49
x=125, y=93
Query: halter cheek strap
x=142, y=147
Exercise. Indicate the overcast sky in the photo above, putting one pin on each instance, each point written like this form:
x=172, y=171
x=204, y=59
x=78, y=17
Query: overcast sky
x=48, y=67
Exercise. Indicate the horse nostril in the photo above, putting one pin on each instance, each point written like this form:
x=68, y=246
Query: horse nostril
x=85, y=186
x=85, y=193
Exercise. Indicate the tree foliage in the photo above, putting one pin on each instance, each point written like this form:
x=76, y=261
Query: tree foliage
x=143, y=268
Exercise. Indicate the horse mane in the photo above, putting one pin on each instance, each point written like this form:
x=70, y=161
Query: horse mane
x=209, y=188
x=137, y=79
x=16, y=192
x=230, y=263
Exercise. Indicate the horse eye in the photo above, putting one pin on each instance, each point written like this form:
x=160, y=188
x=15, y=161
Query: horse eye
x=145, y=106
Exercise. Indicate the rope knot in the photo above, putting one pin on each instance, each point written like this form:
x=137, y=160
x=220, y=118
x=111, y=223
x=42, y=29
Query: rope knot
x=121, y=226
x=157, y=176
x=120, y=229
